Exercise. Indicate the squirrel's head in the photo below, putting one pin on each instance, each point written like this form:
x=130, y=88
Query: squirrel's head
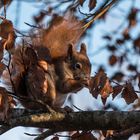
x=79, y=64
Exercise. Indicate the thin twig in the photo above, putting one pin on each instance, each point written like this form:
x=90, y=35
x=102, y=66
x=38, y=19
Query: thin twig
x=137, y=91
x=38, y=27
x=4, y=9
x=28, y=134
x=77, y=108
x=116, y=83
x=8, y=68
x=45, y=134
x=99, y=14
x=65, y=136
x=125, y=133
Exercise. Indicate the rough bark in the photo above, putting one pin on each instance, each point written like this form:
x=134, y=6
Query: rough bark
x=85, y=120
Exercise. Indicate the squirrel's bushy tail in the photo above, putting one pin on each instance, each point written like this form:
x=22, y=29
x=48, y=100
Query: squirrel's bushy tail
x=62, y=31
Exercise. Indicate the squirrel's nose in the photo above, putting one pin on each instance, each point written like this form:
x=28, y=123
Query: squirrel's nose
x=87, y=81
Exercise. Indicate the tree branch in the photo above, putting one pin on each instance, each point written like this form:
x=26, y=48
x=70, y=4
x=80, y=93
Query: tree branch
x=85, y=120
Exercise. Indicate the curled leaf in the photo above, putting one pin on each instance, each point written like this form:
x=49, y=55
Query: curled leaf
x=113, y=60
x=7, y=33
x=9, y=43
x=6, y=27
x=106, y=89
x=100, y=85
x=116, y=90
x=129, y=94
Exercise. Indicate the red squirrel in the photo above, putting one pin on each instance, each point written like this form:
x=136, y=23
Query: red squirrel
x=49, y=79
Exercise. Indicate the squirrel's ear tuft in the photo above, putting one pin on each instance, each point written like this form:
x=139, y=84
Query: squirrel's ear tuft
x=83, y=49
x=70, y=52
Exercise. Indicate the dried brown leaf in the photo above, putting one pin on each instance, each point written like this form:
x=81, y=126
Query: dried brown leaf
x=113, y=60
x=93, y=89
x=81, y=2
x=7, y=33
x=40, y=17
x=5, y=28
x=106, y=89
x=129, y=94
x=4, y=104
x=126, y=34
x=100, y=85
x=10, y=42
x=111, y=48
x=75, y=135
x=116, y=90
x=5, y=2
x=132, y=67
x=55, y=138
x=132, y=17
x=96, y=82
x=137, y=42
x=92, y=4
x=118, y=76
x=120, y=41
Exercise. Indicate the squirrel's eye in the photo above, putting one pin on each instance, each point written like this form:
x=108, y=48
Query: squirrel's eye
x=78, y=66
